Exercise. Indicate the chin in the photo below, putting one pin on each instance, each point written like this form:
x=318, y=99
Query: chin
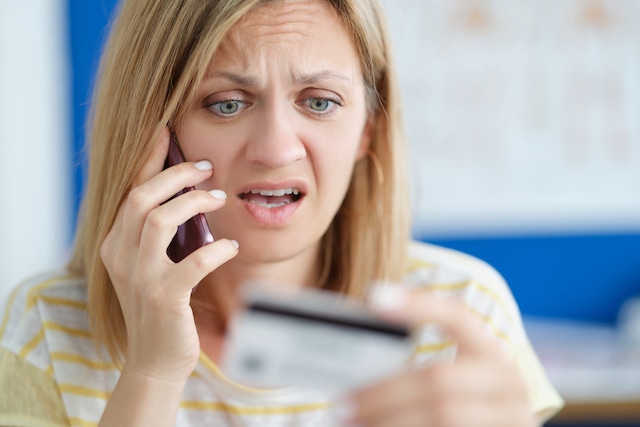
x=273, y=247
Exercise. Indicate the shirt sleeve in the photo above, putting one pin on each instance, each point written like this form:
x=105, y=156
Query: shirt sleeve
x=29, y=397
x=29, y=394
x=486, y=293
x=545, y=399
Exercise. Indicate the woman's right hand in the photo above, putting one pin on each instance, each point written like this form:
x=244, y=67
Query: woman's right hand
x=153, y=291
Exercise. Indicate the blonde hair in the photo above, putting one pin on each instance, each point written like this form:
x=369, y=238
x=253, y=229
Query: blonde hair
x=157, y=54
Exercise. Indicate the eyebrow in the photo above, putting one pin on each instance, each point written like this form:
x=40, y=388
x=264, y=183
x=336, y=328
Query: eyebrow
x=299, y=78
x=234, y=78
x=311, y=78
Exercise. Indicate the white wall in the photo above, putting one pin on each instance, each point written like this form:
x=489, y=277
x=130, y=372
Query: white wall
x=34, y=139
x=523, y=116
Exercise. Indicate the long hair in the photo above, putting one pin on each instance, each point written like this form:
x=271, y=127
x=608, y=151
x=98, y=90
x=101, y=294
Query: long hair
x=156, y=55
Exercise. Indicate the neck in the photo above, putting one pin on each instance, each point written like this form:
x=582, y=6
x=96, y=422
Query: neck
x=215, y=300
x=219, y=289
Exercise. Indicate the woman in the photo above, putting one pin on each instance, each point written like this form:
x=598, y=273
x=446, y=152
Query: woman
x=288, y=116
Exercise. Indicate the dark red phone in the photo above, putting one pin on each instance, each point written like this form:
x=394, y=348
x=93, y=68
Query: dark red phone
x=194, y=233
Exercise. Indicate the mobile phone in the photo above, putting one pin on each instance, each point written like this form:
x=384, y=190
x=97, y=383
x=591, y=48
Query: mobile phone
x=195, y=232
x=311, y=338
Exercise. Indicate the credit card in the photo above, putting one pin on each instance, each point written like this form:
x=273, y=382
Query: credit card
x=313, y=339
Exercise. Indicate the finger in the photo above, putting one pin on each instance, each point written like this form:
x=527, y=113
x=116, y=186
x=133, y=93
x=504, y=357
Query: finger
x=468, y=411
x=167, y=183
x=125, y=213
x=420, y=391
x=487, y=379
x=145, y=198
x=380, y=401
x=191, y=270
x=408, y=418
x=470, y=334
x=456, y=413
x=461, y=394
x=155, y=163
x=163, y=221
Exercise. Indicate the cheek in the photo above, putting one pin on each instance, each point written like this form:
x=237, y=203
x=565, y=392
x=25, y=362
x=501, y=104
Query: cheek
x=339, y=145
x=199, y=142
x=335, y=154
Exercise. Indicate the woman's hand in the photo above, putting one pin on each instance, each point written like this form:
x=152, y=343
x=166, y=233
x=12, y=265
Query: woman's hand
x=153, y=291
x=481, y=388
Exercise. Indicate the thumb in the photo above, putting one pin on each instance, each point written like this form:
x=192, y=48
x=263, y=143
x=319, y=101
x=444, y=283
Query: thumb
x=415, y=309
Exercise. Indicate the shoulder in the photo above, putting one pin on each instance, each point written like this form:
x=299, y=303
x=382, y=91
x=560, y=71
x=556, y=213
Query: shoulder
x=46, y=332
x=25, y=350
x=431, y=262
x=477, y=284
x=486, y=294
x=45, y=285
x=43, y=302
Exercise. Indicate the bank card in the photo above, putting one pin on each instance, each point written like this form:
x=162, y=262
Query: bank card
x=311, y=338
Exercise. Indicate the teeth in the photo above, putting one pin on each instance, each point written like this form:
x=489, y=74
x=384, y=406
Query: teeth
x=280, y=192
x=270, y=205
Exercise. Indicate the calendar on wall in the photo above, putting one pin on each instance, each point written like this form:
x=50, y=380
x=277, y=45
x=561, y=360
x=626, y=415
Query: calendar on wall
x=522, y=116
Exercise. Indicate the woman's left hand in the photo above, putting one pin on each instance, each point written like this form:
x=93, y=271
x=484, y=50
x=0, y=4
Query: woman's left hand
x=481, y=388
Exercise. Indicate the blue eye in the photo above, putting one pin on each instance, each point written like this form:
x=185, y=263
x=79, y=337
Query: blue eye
x=227, y=108
x=319, y=104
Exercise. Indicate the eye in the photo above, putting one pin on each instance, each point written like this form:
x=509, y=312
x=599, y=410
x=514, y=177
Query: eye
x=320, y=105
x=227, y=107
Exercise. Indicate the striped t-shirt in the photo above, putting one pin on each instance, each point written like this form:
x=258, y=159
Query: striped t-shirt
x=51, y=375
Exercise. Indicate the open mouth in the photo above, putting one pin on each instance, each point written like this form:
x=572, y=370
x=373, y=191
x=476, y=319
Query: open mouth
x=272, y=198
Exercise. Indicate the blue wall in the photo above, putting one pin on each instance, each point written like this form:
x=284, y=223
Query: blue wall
x=583, y=277
x=578, y=277
x=87, y=29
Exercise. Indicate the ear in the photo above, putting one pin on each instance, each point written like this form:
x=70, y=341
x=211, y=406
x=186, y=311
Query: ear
x=365, y=138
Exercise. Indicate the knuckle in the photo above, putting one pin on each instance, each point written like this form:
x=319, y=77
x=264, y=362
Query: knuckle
x=156, y=220
x=106, y=249
x=116, y=267
x=117, y=274
x=200, y=260
x=137, y=198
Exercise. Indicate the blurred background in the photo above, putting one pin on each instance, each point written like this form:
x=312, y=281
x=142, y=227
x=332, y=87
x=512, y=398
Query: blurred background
x=524, y=125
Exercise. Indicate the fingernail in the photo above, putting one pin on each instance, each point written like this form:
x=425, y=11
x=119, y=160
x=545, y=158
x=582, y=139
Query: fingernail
x=203, y=165
x=218, y=194
x=387, y=297
x=235, y=243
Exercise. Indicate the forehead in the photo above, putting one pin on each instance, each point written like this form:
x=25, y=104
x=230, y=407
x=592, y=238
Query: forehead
x=287, y=17
x=309, y=30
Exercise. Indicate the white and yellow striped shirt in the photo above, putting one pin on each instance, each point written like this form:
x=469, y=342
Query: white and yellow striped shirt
x=51, y=375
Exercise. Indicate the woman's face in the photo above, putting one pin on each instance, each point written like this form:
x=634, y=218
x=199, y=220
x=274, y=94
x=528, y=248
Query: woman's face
x=281, y=114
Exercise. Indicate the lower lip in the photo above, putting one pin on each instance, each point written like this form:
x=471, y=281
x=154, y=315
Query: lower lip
x=271, y=216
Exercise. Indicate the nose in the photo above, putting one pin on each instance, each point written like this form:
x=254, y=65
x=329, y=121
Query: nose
x=274, y=140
